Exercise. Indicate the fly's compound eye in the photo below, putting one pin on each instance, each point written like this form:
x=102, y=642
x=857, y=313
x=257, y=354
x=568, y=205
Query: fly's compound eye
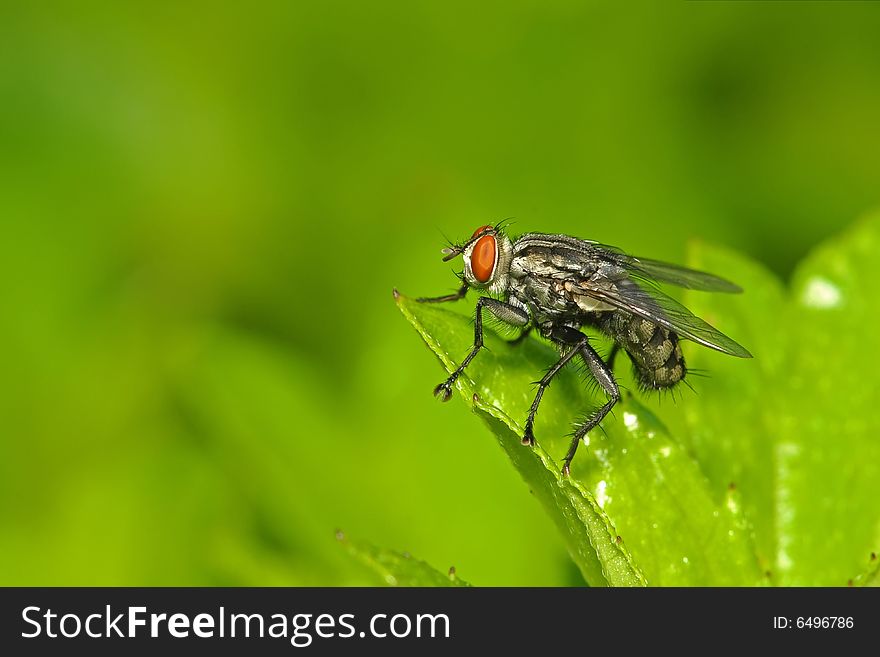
x=480, y=230
x=483, y=257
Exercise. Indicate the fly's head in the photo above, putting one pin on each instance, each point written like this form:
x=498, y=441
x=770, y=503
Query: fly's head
x=487, y=255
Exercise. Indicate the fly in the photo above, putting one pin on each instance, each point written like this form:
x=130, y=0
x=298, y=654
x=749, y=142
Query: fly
x=558, y=285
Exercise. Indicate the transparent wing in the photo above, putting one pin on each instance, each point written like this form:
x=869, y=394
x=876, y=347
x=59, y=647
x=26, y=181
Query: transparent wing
x=653, y=305
x=665, y=272
x=651, y=271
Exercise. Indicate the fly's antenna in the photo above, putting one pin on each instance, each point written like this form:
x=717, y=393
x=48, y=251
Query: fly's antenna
x=450, y=252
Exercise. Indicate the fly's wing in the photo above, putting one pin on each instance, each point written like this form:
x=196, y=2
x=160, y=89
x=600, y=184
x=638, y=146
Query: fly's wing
x=650, y=271
x=650, y=303
x=665, y=272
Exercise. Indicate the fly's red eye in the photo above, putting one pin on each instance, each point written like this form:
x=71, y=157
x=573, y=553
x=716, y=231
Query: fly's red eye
x=483, y=258
x=480, y=230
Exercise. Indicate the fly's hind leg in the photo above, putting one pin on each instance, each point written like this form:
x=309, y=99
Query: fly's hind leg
x=503, y=311
x=602, y=373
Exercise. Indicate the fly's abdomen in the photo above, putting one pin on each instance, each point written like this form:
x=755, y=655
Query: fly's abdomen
x=654, y=350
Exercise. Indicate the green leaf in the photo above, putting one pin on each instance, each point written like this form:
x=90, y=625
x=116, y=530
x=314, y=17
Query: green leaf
x=722, y=425
x=799, y=432
x=637, y=509
x=828, y=452
x=397, y=568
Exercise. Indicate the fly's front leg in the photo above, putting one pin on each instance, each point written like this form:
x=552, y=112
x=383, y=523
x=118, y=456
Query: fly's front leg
x=503, y=311
x=603, y=375
x=565, y=337
x=455, y=296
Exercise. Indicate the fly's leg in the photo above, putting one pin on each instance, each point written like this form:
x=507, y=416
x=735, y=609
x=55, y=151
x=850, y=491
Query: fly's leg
x=455, y=296
x=603, y=375
x=503, y=311
x=565, y=337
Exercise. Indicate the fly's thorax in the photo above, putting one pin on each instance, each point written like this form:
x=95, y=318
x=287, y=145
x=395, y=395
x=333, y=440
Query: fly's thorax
x=487, y=262
x=655, y=351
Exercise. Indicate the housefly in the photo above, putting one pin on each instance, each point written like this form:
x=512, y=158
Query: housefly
x=559, y=284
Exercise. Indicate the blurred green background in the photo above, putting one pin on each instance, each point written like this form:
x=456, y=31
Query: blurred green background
x=205, y=208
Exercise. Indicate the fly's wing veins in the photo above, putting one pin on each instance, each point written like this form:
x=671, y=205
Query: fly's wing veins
x=655, y=306
x=665, y=272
